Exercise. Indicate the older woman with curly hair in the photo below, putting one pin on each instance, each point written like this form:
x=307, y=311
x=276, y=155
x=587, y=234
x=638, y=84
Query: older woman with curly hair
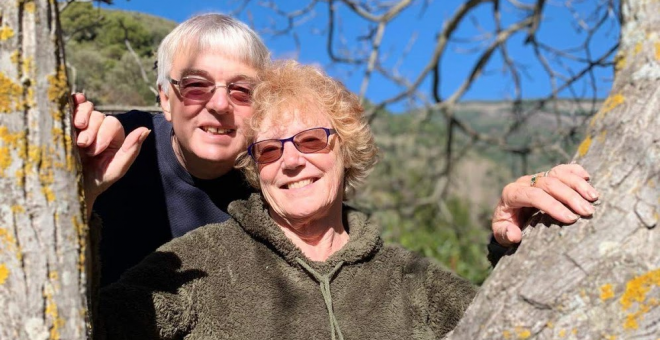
x=294, y=262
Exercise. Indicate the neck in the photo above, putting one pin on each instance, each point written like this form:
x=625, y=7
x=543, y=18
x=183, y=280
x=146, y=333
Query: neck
x=318, y=241
x=197, y=167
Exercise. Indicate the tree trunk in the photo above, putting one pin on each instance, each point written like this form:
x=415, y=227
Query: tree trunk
x=43, y=237
x=599, y=278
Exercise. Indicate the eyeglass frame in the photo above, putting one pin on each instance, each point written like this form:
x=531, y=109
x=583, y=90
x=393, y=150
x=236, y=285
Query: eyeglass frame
x=177, y=85
x=328, y=132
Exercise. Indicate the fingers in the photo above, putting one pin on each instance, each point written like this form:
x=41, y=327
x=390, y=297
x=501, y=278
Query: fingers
x=506, y=224
x=128, y=151
x=81, y=111
x=562, y=192
x=517, y=196
x=106, y=131
x=89, y=134
x=508, y=234
x=572, y=168
x=569, y=195
x=78, y=98
x=576, y=177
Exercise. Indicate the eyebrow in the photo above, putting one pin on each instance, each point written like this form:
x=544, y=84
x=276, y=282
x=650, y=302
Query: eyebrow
x=203, y=73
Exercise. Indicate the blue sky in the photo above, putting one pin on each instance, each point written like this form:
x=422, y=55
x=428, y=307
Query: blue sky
x=558, y=30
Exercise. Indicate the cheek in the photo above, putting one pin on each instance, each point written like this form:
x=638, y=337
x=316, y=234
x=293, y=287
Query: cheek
x=266, y=175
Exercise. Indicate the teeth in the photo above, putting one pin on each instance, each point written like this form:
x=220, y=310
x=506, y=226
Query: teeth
x=299, y=184
x=217, y=131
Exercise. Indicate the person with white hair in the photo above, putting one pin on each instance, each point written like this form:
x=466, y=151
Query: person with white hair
x=183, y=176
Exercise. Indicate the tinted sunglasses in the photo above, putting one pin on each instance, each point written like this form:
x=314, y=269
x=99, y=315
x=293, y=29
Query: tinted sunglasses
x=307, y=141
x=201, y=89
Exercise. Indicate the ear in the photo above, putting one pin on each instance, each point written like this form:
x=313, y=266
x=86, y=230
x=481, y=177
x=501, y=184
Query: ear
x=165, y=103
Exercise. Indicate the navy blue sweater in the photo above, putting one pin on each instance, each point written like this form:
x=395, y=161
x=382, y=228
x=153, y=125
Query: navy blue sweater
x=157, y=200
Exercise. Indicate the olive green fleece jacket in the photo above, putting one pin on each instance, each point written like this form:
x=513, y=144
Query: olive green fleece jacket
x=243, y=279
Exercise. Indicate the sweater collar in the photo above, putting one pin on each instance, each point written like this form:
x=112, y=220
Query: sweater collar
x=364, y=242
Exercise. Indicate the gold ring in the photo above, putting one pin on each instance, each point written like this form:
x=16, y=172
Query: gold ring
x=533, y=182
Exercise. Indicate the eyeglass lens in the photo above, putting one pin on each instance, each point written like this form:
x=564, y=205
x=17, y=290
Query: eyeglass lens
x=308, y=141
x=201, y=89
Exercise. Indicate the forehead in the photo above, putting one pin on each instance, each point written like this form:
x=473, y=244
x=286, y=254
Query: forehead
x=287, y=122
x=211, y=64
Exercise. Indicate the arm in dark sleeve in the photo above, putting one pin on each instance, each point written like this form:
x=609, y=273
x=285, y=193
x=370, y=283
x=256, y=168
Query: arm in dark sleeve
x=438, y=297
x=449, y=298
x=153, y=300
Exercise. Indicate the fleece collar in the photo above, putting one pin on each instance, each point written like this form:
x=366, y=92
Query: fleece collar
x=364, y=241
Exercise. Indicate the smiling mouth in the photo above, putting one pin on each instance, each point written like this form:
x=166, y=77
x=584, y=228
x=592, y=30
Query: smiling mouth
x=299, y=184
x=215, y=131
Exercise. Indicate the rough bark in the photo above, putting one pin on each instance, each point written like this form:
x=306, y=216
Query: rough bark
x=599, y=278
x=43, y=238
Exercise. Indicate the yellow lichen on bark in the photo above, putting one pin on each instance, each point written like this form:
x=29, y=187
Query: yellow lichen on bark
x=28, y=67
x=6, y=33
x=58, y=89
x=29, y=72
x=606, y=292
x=57, y=135
x=71, y=163
x=51, y=311
x=30, y=7
x=637, y=290
x=523, y=333
x=657, y=51
x=612, y=102
x=9, y=92
x=584, y=146
x=42, y=160
x=82, y=230
x=4, y=273
x=619, y=62
x=519, y=333
x=20, y=178
x=638, y=48
x=5, y=160
x=11, y=139
x=8, y=141
x=8, y=242
x=15, y=56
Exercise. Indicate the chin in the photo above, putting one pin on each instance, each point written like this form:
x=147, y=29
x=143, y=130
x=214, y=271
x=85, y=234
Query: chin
x=304, y=213
x=216, y=154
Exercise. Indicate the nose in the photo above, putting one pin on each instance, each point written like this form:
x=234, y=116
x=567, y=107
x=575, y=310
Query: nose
x=219, y=102
x=291, y=157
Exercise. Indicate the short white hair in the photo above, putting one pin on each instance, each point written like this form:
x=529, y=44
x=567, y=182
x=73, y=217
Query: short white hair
x=211, y=32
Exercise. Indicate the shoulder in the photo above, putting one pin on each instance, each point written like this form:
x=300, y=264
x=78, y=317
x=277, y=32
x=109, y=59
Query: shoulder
x=427, y=276
x=436, y=276
x=208, y=244
x=193, y=255
x=440, y=295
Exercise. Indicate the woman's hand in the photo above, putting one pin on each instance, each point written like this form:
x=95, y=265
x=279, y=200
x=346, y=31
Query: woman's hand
x=105, y=151
x=563, y=192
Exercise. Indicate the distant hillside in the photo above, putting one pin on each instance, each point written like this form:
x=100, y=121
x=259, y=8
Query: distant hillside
x=98, y=55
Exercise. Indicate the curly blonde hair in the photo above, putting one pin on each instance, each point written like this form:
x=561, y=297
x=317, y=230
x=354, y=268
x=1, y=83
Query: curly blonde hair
x=287, y=85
